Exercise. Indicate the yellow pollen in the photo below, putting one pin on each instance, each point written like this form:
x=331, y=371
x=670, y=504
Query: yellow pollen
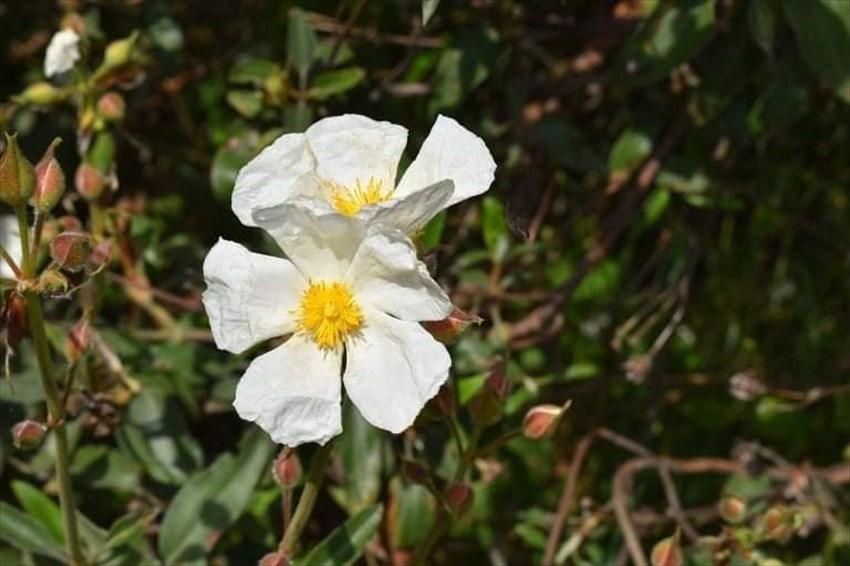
x=349, y=201
x=328, y=313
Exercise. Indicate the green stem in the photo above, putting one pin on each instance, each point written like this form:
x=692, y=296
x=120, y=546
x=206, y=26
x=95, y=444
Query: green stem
x=51, y=395
x=312, y=486
x=57, y=416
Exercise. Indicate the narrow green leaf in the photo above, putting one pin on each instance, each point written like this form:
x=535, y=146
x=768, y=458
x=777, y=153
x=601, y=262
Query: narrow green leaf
x=495, y=228
x=346, y=544
x=359, y=450
x=212, y=500
x=336, y=82
x=41, y=507
x=762, y=22
x=429, y=7
x=27, y=533
x=301, y=41
x=249, y=103
x=628, y=151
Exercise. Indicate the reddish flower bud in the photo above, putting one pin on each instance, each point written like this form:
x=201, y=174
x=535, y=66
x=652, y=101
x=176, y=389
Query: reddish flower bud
x=667, y=552
x=777, y=524
x=452, y=328
x=49, y=180
x=89, y=181
x=274, y=559
x=17, y=175
x=69, y=223
x=100, y=255
x=733, y=509
x=498, y=381
x=445, y=399
x=13, y=320
x=459, y=497
x=70, y=250
x=28, y=434
x=487, y=405
x=541, y=421
x=111, y=106
x=78, y=340
x=287, y=469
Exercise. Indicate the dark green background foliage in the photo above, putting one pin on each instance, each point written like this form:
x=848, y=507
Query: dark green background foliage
x=671, y=209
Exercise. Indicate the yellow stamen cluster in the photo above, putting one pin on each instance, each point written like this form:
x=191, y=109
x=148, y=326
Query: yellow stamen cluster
x=349, y=201
x=328, y=313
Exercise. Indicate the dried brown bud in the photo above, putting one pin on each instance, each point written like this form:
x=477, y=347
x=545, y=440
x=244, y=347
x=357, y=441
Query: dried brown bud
x=287, y=469
x=78, y=340
x=111, y=107
x=733, y=509
x=667, y=552
x=17, y=175
x=459, y=497
x=49, y=180
x=453, y=327
x=13, y=320
x=52, y=283
x=28, y=434
x=70, y=250
x=542, y=420
x=89, y=181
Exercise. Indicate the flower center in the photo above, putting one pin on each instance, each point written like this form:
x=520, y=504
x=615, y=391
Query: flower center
x=349, y=201
x=329, y=313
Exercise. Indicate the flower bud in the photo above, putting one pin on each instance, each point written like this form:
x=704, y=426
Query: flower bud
x=100, y=255
x=17, y=175
x=41, y=93
x=733, y=509
x=777, y=524
x=78, y=340
x=89, y=181
x=541, y=421
x=52, y=283
x=117, y=54
x=287, y=469
x=445, y=399
x=637, y=367
x=667, y=552
x=13, y=319
x=49, y=181
x=274, y=559
x=28, y=434
x=70, y=250
x=487, y=405
x=452, y=328
x=111, y=106
x=459, y=497
x=415, y=472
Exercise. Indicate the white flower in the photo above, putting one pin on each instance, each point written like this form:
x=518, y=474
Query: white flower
x=10, y=239
x=349, y=163
x=351, y=297
x=62, y=52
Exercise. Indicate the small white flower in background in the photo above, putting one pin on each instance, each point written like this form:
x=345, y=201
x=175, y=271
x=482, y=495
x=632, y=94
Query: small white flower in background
x=62, y=52
x=10, y=238
x=349, y=163
x=348, y=292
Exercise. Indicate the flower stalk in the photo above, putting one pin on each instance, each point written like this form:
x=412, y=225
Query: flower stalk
x=307, y=501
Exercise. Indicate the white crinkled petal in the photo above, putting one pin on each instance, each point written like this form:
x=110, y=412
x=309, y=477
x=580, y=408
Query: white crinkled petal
x=411, y=212
x=320, y=244
x=282, y=171
x=386, y=275
x=350, y=147
x=393, y=368
x=450, y=152
x=250, y=297
x=62, y=52
x=293, y=392
x=10, y=238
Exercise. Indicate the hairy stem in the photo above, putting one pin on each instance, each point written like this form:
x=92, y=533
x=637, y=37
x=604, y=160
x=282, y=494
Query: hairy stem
x=312, y=485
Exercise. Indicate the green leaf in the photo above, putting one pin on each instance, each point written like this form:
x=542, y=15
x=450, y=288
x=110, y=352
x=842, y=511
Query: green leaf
x=762, y=22
x=301, y=41
x=566, y=146
x=360, y=451
x=494, y=228
x=822, y=28
x=345, y=545
x=676, y=33
x=27, y=533
x=126, y=539
x=249, y=103
x=411, y=514
x=41, y=507
x=212, y=500
x=336, y=82
x=429, y=7
x=227, y=162
x=630, y=149
x=432, y=233
x=252, y=71
x=97, y=466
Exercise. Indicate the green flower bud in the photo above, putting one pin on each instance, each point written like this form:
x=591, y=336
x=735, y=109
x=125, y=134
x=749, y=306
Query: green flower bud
x=41, y=93
x=49, y=181
x=17, y=175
